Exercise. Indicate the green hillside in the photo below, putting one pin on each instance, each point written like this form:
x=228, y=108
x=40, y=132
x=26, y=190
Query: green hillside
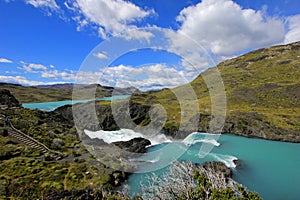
x=262, y=91
x=262, y=96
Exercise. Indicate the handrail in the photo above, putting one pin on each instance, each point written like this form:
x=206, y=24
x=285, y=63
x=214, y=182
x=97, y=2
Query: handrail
x=27, y=136
x=40, y=145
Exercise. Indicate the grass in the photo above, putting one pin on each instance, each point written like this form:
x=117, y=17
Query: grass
x=26, y=173
x=265, y=81
x=263, y=84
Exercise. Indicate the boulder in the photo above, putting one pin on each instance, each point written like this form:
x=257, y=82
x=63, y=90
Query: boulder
x=135, y=145
x=218, y=168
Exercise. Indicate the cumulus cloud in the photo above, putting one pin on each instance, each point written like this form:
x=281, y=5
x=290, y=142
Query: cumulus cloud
x=194, y=57
x=51, y=4
x=55, y=74
x=33, y=68
x=148, y=77
x=50, y=73
x=24, y=81
x=4, y=60
x=89, y=77
x=226, y=28
x=111, y=17
x=293, y=34
x=101, y=55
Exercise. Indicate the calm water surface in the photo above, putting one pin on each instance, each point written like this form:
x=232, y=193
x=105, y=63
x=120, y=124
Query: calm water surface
x=50, y=106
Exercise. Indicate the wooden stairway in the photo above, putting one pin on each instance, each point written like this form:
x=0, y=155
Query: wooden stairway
x=26, y=139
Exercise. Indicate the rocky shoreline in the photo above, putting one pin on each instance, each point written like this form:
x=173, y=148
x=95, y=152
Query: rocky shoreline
x=247, y=124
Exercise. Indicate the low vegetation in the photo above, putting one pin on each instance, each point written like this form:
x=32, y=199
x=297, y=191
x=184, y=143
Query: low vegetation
x=262, y=88
x=28, y=174
x=187, y=181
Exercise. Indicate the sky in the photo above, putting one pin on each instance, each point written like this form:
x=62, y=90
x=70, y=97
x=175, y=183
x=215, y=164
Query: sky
x=148, y=44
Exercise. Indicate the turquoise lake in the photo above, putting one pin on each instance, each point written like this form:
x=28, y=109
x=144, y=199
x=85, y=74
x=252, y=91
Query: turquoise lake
x=270, y=168
x=50, y=106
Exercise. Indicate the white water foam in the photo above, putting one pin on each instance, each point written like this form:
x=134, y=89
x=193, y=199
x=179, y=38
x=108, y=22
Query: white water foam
x=209, y=134
x=190, y=137
x=227, y=159
x=193, y=139
x=213, y=142
x=125, y=135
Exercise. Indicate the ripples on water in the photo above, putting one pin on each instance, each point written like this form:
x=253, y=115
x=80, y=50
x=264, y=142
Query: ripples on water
x=269, y=167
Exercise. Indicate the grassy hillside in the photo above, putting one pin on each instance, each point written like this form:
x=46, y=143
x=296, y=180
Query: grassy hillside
x=262, y=89
x=26, y=173
x=262, y=93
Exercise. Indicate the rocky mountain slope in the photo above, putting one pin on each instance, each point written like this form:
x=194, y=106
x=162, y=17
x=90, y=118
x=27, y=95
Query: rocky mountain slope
x=262, y=92
x=7, y=99
x=262, y=96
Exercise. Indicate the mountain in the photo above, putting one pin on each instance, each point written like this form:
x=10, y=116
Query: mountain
x=262, y=100
x=63, y=86
x=262, y=92
x=59, y=92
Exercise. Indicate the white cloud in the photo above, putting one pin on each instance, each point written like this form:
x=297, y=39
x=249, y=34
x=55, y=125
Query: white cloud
x=133, y=32
x=293, y=34
x=88, y=77
x=4, y=60
x=24, y=81
x=33, y=68
x=55, y=74
x=111, y=17
x=194, y=57
x=101, y=55
x=51, y=4
x=50, y=73
x=149, y=77
x=225, y=28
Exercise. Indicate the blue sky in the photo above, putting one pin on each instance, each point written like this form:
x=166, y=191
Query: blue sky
x=164, y=43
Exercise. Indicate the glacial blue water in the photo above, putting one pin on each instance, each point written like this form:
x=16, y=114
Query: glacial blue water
x=270, y=168
x=50, y=106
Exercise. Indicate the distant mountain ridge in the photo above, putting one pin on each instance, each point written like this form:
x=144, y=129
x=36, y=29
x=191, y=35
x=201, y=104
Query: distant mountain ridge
x=59, y=92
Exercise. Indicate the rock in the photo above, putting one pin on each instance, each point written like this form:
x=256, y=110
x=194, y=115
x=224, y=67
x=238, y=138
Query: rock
x=57, y=143
x=7, y=99
x=218, y=167
x=237, y=162
x=254, y=124
x=3, y=133
x=135, y=145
